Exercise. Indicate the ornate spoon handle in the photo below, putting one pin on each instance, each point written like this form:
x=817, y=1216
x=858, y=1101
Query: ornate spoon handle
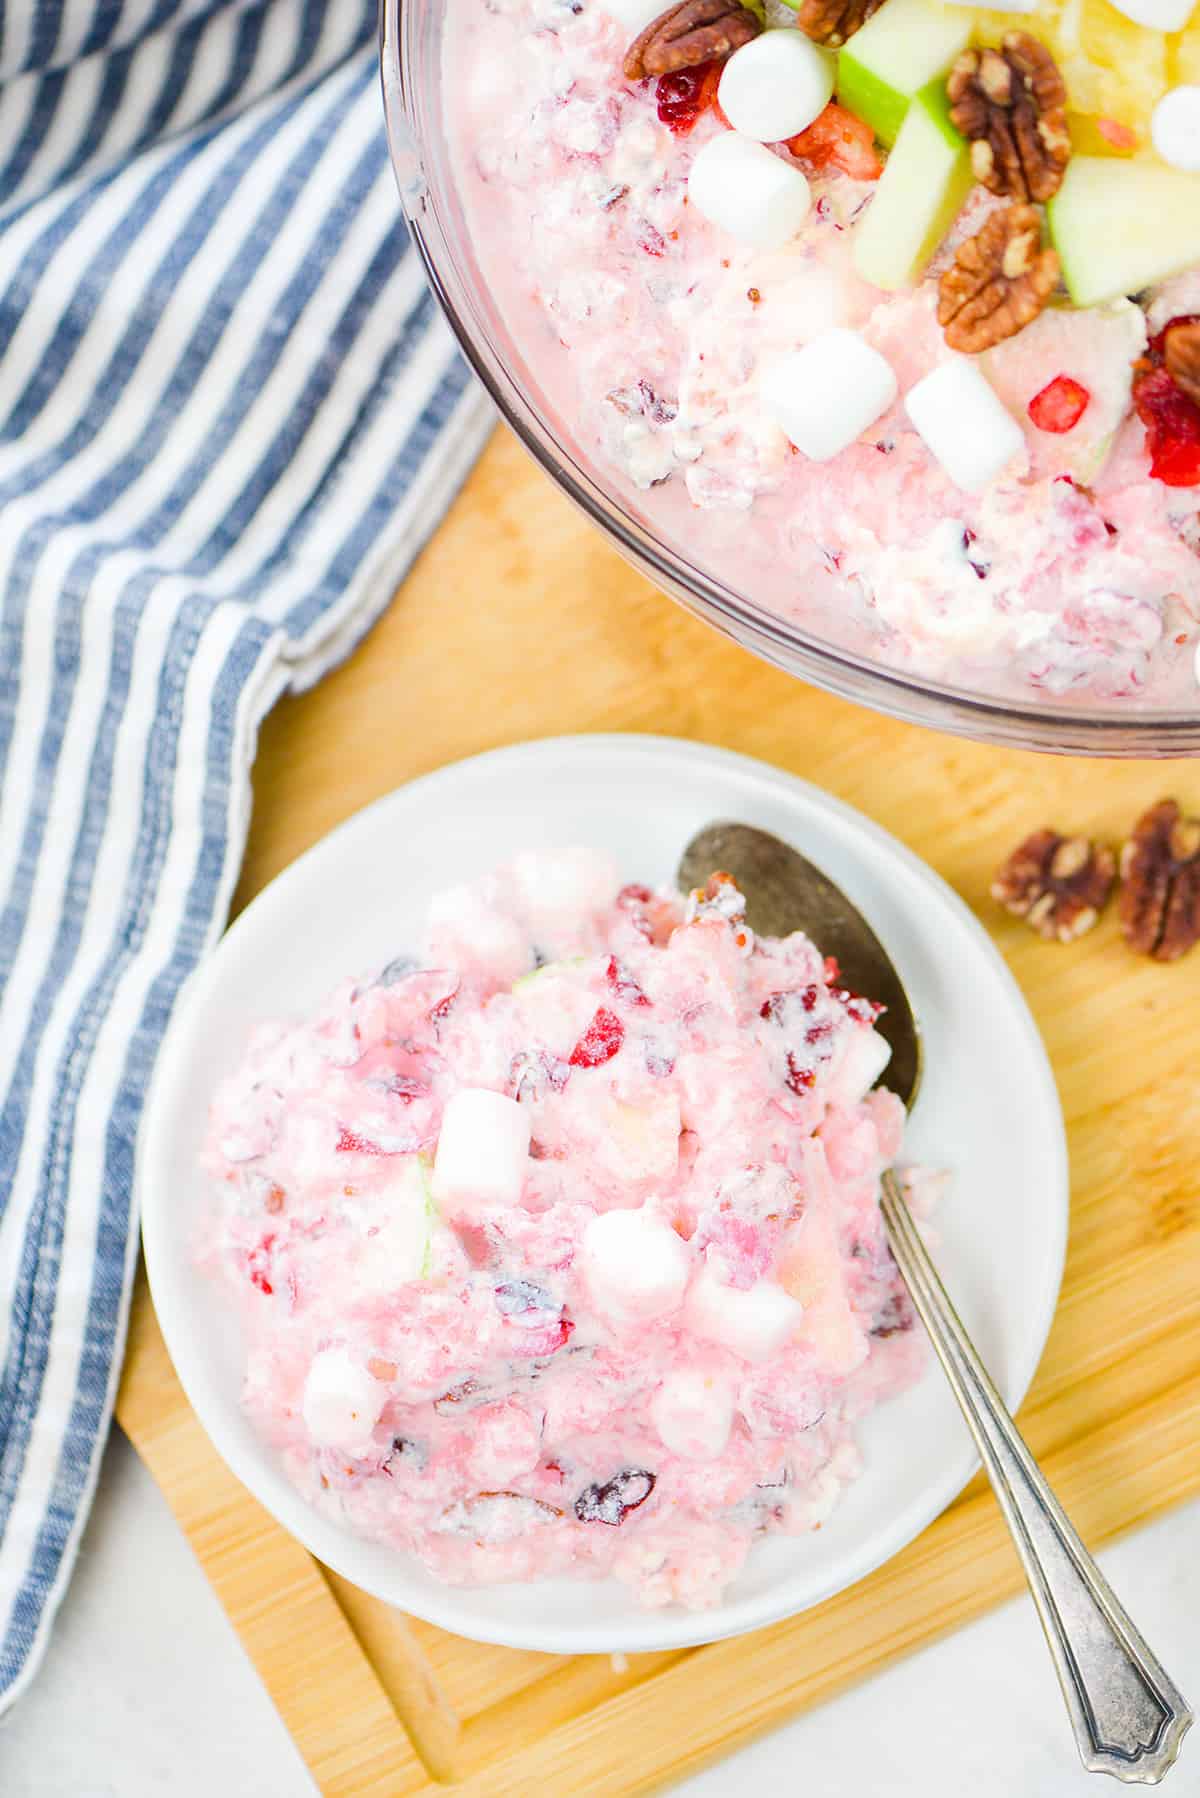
x=1128, y=1716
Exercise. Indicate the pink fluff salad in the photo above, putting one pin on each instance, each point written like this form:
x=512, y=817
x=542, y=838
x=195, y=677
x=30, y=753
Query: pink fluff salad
x=557, y=1247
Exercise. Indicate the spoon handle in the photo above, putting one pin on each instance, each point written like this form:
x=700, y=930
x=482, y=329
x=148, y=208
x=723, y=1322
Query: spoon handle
x=1128, y=1716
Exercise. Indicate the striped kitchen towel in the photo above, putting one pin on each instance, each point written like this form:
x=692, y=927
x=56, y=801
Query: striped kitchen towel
x=229, y=416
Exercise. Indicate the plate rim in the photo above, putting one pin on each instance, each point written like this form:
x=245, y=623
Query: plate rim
x=677, y=1628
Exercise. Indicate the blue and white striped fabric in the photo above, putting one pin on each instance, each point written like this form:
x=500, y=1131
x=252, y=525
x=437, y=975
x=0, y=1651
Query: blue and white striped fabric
x=229, y=416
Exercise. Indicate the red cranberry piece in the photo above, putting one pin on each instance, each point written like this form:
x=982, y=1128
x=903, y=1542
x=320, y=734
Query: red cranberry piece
x=349, y=1142
x=600, y=1041
x=612, y=1502
x=257, y=1263
x=682, y=96
x=623, y=984
x=798, y=1080
x=781, y=1008
x=1060, y=405
x=659, y=1065
x=1172, y=420
x=895, y=1316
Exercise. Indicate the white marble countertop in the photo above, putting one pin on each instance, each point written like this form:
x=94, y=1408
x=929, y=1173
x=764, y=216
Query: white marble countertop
x=146, y=1690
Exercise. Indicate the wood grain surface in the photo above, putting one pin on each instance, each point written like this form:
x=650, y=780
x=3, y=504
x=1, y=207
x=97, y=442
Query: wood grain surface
x=520, y=622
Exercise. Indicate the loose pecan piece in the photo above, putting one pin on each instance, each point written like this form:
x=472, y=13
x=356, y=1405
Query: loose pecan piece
x=685, y=36
x=1058, y=884
x=831, y=22
x=1010, y=103
x=999, y=280
x=1160, y=894
x=1181, y=356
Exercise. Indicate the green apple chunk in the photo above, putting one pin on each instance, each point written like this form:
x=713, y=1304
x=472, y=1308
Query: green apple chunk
x=1120, y=226
x=907, y=44
x=920, y=193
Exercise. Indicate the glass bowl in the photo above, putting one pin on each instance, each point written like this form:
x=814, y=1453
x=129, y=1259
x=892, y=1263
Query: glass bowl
x=411, y=58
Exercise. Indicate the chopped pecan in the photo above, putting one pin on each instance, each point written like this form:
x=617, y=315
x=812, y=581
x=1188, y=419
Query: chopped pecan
x=685, y=36
x=1010, y=103
x=1160, y=894
x=999, y=280
x=831, y=22
x=1058, y=884
x=1181, y=356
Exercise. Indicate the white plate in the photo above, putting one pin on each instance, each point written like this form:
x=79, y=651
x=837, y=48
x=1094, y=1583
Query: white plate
x=988, y=1110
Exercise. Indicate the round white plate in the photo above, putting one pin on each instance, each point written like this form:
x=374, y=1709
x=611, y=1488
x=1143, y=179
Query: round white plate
x=987, y=1110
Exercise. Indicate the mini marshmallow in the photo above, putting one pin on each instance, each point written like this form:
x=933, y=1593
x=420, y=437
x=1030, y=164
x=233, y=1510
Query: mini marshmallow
x=743, y=188
x=482, y=1151
x=1157, y=15
x=342, y=1402
x=826, y=395
x=635, y=1264
x=754, y=1322
x=1175, y=128
x=776, y=85
x=963, y=424
x=692, y=1413
x=863, y=1059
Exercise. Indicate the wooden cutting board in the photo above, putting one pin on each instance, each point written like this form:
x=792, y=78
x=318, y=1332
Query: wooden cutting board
x=519, y=622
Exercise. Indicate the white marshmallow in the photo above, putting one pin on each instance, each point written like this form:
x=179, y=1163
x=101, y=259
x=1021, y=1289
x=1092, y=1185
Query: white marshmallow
x=635, y=1264
x=963, y=424
x=633, y=15
x=482, y=1150
x=863, y=1059
x=1157, y=15
x=776, y=85
x=753, y=1322
x=692, y=1413
x=825, y=395
x=748, y=191
x=342, y=1402
x=1175, y=128
x=464, y=927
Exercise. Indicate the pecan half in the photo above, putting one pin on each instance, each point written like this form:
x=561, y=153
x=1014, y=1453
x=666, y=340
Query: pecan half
x=1010, y=104
x=831, y=22
x=1181, y=355
x=999, y=280
x=1160, y=894
x=685, y=36
x=1058, y=884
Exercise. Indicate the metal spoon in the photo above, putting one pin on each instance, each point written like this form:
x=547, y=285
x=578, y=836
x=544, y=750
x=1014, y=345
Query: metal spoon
x=1128, y=1716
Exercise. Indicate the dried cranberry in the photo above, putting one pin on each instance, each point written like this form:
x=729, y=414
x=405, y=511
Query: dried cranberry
x=623, y=984
x=780, y=1008
x=895, y=1316
x=651, y=240
x=349, y=1142
x=257, y=1262
x=612, y=1502
x=1060, y=405
x=1171, y=419
x=600, y=1041
x=682, y=96
x=798, y=1080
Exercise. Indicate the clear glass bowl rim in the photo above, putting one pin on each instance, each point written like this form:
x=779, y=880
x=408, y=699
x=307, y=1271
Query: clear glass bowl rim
x=1101, y=730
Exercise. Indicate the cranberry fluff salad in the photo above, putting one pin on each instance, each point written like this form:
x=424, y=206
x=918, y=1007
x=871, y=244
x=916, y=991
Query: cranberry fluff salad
x=557, y=1249
x=888, y=309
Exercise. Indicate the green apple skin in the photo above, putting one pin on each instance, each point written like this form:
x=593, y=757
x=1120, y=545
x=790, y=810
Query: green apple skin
x=907, y=45
x=921, y=192
x=1121, y=226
